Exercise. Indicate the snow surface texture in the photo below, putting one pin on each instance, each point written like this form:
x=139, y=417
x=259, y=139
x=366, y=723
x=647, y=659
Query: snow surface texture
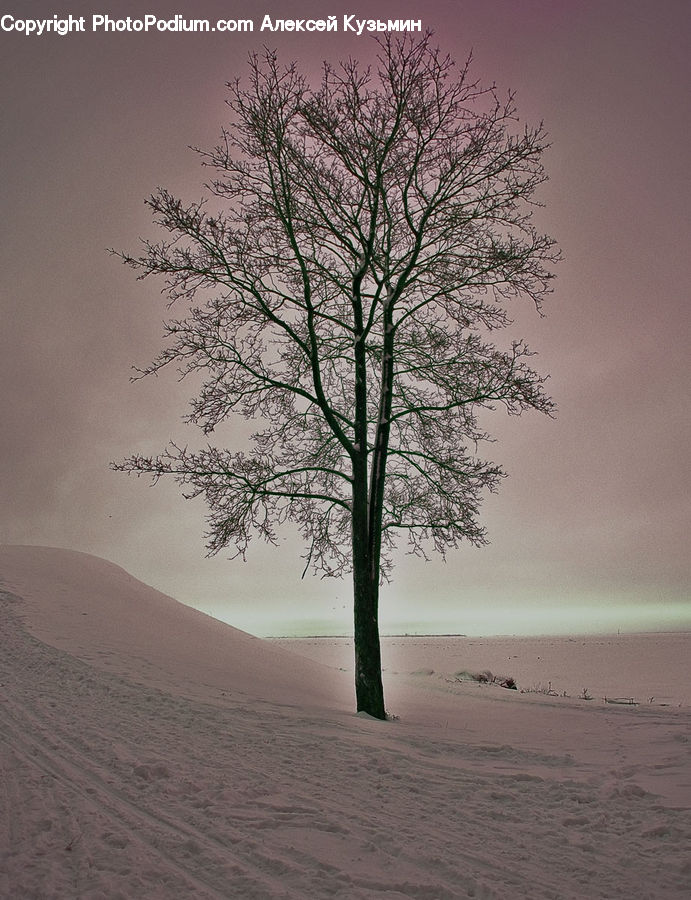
x=148, y=751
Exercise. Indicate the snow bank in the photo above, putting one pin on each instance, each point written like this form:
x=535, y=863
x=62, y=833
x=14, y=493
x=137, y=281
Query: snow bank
x=99, y=613
x=149, y=752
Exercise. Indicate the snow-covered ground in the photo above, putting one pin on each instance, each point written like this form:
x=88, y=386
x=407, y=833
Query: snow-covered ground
x=148, y=751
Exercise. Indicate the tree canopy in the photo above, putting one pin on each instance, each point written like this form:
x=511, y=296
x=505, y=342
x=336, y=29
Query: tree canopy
x=342, y=283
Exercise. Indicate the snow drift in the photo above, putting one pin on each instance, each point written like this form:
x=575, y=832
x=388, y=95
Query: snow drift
x=99, y=613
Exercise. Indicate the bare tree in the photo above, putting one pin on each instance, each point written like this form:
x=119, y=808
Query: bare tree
x=365, y=240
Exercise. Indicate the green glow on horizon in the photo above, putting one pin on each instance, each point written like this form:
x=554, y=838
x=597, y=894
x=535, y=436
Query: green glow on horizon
x=485, y=620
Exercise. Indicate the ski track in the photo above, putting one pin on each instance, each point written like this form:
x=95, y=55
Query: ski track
x=112, y=789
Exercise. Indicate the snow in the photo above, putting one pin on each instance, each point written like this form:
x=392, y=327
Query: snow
x=149, y=751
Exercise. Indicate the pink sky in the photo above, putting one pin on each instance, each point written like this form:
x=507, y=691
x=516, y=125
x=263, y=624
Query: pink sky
x=594, y=517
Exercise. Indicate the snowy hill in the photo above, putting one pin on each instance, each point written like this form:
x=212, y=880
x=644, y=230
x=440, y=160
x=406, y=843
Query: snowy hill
x=97, y=612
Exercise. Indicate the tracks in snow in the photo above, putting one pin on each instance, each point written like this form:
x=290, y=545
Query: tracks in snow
x=116, y=789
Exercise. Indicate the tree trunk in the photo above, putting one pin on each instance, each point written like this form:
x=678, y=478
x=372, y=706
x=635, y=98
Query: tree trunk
x=369, y=690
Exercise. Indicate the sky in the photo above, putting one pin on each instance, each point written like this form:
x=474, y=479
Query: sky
x=590, y=531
